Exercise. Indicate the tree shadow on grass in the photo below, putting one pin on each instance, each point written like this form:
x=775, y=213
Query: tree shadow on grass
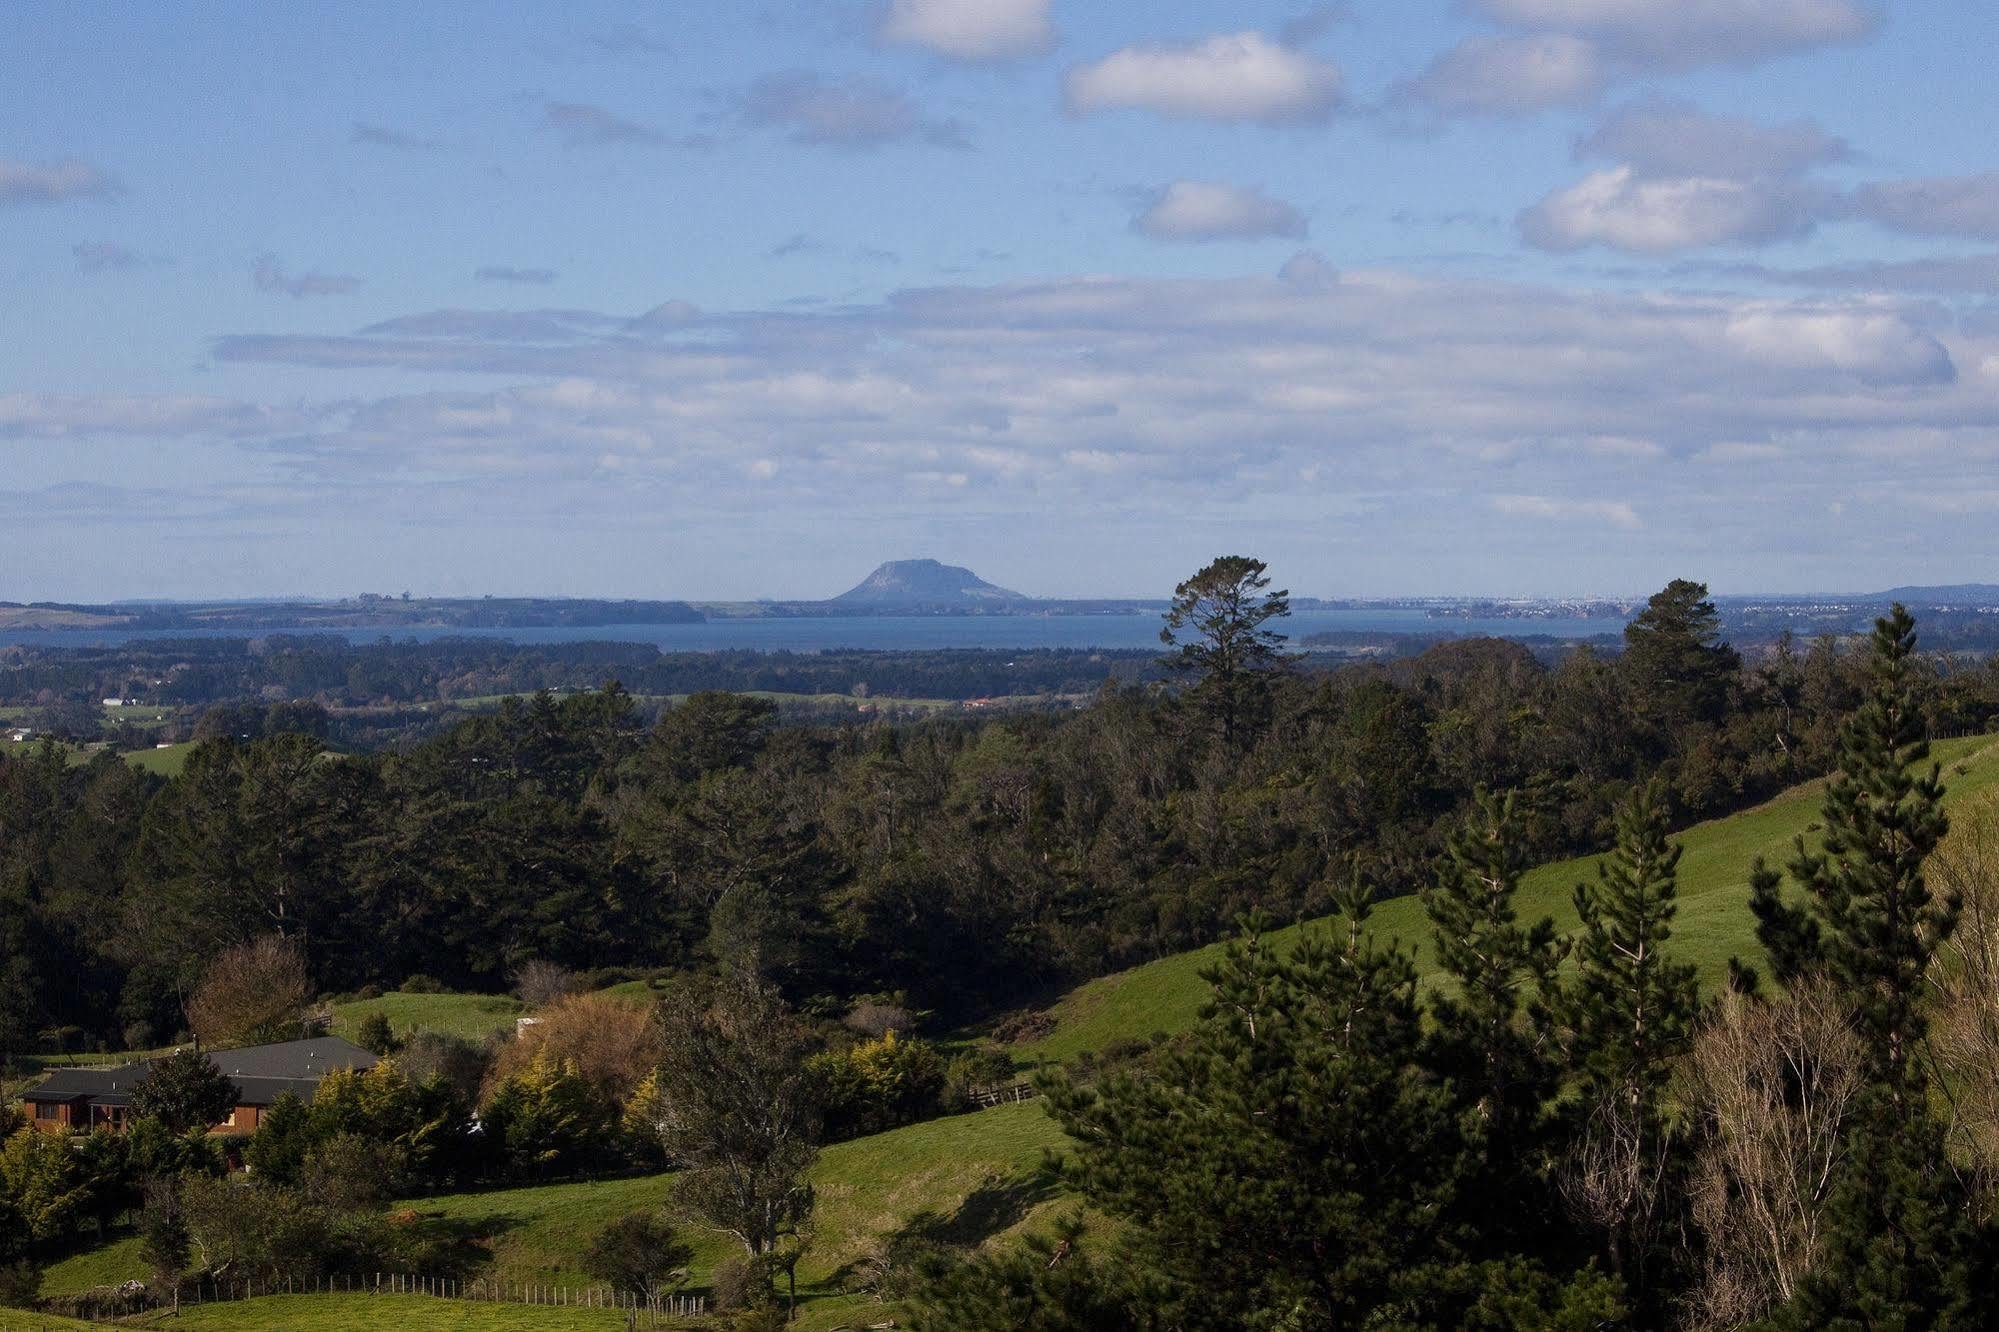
x=998, y=1203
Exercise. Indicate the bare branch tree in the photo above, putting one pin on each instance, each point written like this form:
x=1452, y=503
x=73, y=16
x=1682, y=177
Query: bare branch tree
x=1771, y=1083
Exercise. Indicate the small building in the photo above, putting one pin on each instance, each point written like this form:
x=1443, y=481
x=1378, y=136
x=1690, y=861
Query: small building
x=20, y=735
x=79, y=1099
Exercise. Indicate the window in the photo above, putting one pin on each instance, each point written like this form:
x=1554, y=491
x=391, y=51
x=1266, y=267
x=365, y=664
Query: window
x=47, y=1110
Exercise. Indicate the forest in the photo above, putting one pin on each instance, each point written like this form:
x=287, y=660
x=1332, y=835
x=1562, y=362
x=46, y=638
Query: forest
x=1512, y=1150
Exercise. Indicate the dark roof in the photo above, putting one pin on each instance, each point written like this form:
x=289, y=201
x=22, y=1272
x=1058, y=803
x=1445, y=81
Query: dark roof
x=309, y=1059
x=262, y=1073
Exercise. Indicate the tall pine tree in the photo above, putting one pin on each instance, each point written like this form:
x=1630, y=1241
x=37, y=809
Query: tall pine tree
x=1898, y=1248
x=1492, y=1037
x=1625, y=1016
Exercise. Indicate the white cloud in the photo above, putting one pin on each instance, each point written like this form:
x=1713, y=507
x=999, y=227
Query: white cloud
x=1667, y=139
x=1617, y=513
x=851, y=113
x=1199, y=210
x=1513, y=74
x=1939, y=206
x=1679, y=34
x=1625, y=211
x=1238, y=78
x=971, y=29
x=1876, y=346
x=52, y=182
x=85, y=416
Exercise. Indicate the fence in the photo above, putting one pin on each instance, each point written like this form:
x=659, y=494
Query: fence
x=987, y=1097
x=641, y=1311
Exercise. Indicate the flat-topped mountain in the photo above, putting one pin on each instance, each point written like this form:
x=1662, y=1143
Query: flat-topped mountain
x=924, y=583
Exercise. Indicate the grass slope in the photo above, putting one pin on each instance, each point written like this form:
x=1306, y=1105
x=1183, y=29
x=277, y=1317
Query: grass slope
x=1713, y=923
x=472, y=1016
x=968, y=1177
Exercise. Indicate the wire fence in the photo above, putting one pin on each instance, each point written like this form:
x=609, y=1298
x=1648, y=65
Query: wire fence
x=108, y=1304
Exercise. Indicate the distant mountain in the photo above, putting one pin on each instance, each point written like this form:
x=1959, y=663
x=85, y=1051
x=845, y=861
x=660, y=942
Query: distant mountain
x=924, y=583
x=1952, y=594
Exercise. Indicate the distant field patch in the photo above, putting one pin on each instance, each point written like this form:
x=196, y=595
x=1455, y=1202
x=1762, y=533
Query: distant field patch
x=472, y=1016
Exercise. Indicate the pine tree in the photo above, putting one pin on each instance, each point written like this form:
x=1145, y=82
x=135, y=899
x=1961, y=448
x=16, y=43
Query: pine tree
x=1492, y=1023
x=1897, y=1248
x=1625, y=1016
x=1288, y=1166
x=1629, y=1009
x=1867, y=918
x=1223, y=610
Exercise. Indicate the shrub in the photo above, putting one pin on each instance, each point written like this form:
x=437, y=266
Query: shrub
x=877, y=1084
x=453, y=1059
x=252, y=993
x=184, y=1091
x=422, y=984
x=540, y=982
x=742, y=1283
x=1030, y=1024
x=20, y=1284
x=975, y=1070
x=545, y=1118
x=876, y=1019
x=351, y=1172
x=375, y=1034
x=639, y=1252
x=612, y=1044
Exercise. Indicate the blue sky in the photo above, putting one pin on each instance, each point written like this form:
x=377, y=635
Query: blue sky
x=1495, y=296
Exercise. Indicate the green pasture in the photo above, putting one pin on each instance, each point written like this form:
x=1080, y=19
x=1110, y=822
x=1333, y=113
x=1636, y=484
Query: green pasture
x=1713, y=925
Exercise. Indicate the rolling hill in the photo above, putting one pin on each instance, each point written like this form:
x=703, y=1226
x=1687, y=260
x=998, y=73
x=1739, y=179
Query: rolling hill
x=1713, y=923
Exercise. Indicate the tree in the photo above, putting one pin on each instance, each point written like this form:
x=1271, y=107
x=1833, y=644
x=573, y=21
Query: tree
x=1770, y=1086
x=1291, y=1161
x=184, y=1091
x=1898, y=1247
x=640, y=1252
x=1868, y=917
x=545, y=1117
x=252, y=994
x=735, y=1110
x=376, y=1035
x=1674, y=656
x=611, y=1044
x=1492, y=1036
x=1626, y=1017
x=1222, y=611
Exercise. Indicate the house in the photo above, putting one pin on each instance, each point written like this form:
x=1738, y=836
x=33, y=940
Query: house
x=77, y=1099
x=20, y=735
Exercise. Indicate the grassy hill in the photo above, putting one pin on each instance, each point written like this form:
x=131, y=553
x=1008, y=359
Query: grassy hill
x=472, y=1016
x=350, y=1313
x=1713, y=923
x=968, y=1178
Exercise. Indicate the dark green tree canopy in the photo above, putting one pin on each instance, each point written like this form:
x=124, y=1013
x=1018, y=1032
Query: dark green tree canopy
x=184, y=1091
x=1217, y=624
x=1674, y=656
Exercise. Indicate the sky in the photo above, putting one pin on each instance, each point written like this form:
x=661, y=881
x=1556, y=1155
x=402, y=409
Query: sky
x=1482, y=297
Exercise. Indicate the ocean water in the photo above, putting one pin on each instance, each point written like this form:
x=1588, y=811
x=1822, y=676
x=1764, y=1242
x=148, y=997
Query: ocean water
x=887, y=632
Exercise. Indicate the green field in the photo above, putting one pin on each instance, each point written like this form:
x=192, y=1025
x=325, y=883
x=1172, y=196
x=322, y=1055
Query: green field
x=969, y=1178
x=352, y=1313
x=166, y=762
x=1714, y=923
x=472, y=1016
x=976, y=1174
